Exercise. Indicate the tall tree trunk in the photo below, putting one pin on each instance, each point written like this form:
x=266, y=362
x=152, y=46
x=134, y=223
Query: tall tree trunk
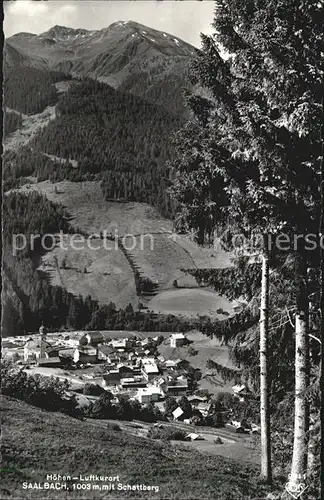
x=266, y=473
x=300, y=448
x=321, y=234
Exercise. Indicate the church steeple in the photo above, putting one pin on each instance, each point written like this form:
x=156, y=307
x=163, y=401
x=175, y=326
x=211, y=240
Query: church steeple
x=42, y=333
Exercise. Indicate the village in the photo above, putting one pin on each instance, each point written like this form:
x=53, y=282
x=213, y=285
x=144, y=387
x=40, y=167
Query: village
x=124, y=364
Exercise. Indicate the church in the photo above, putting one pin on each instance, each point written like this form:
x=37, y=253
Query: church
x=40, y=350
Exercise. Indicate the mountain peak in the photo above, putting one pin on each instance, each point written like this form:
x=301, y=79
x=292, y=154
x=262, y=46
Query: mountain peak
x=58, y=31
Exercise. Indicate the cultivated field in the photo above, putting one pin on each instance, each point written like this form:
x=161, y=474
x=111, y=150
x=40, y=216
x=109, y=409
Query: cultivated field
x=103, y=274
x=192, y=302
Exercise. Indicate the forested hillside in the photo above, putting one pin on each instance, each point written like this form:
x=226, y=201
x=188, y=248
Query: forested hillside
x=30, y=90
x=18, y=165
x=117, y=137
x=12, y=121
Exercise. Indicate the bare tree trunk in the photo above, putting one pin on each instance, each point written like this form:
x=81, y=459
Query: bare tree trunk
x=321, y=234
x=266, y=472
x=300, y=449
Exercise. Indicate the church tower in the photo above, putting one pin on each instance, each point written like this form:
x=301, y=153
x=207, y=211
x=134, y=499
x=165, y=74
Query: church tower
x=42, y=333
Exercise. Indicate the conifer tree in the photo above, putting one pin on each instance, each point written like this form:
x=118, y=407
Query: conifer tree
x=258, y=117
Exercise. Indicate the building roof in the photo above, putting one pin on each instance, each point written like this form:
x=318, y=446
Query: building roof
x=177, y=412
x=119, y=342
x=178, y=383
x=149, y=390
x=150, y=368
x=95, y=336
x=36, y=344
x=106, y=350
x=87, y=350
x=112, y=375
x=204, y=406
x=49, y=361
x=122, y=367
x=178, y=336
x=239, y=388
x=193, y=436
x=197, y=398
x=148, y=361
x=66, y=352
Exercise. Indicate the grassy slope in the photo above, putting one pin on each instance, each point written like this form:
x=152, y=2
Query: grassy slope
x=160, y=257
x=36, y=443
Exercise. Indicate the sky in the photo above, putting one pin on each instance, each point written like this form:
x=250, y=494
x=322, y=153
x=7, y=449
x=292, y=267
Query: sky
x=185, y=19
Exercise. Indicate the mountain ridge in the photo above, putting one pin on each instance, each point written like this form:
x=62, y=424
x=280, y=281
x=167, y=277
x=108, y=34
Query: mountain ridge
x=126, y=55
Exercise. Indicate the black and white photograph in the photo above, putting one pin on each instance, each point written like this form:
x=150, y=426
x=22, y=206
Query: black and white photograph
x=162, y=262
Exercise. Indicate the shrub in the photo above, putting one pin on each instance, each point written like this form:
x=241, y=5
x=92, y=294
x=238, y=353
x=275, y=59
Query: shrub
x=192, y=351
x=93, y=390
x=114, y=427
x=167, y=434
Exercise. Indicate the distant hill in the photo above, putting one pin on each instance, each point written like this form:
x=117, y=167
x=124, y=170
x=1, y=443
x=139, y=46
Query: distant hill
x=36, y=443
x=126, y=55
x=114, y=136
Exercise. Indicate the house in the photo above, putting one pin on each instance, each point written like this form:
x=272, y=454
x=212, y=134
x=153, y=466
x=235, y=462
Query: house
x=34, y=349
x=234, y=428
x=172, y=363
x=195, y=400
x=50, y=362
x=148, y=360
x=193, y=436
x=150, y=371
x=125, y=371
x=94, y=338
x=149, y=395
x=140, y=352
x=160, y=382
x=178, y=414
x=177, y=340
x=204, y=408
x=120, y=344
x=66, y=354
x=85, y=355
x=108, y=353
x=146, y=342
x=177, y=385
x=110, y=378
x=133, y=383
x=255, y=429
x=240, y=391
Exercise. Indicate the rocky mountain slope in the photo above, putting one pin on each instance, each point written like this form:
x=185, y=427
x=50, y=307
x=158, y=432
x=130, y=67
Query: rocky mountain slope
x=126, y=55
